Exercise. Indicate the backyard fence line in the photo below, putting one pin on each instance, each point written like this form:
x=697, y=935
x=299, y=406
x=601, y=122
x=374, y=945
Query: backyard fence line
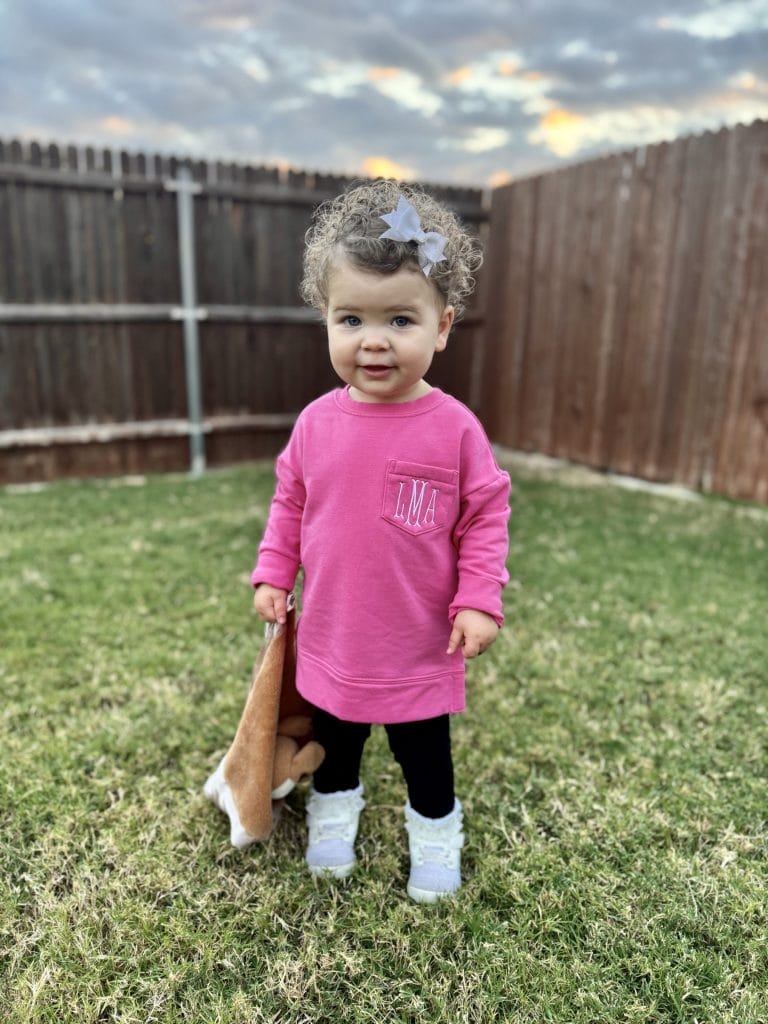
x=286, y=190
x=621, y=319
x=107, y=256
x=627, y=313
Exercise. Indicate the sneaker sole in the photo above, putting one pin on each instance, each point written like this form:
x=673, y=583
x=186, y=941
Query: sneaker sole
x=331, y=871
x=428, y=895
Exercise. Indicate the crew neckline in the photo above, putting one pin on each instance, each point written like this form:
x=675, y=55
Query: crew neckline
x=415, y=407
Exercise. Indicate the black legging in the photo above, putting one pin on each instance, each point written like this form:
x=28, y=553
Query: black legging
x=422, y=749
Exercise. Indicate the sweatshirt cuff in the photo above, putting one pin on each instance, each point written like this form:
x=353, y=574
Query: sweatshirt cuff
x=480, y=596
x=277, y=571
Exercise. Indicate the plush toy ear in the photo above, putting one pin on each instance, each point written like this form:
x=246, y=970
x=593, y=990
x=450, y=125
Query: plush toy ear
x=242, y=786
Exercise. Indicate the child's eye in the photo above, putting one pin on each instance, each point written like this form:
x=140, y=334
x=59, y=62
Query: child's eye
x=401, y=321
x=352, y=321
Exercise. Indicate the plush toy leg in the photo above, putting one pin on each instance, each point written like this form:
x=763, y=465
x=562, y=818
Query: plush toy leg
x=293, y=763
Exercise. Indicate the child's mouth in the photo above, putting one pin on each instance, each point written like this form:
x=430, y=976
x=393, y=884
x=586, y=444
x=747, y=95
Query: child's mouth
x=376, y=371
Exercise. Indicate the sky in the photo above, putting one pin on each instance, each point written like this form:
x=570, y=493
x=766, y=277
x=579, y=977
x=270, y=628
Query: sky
x=464, y=92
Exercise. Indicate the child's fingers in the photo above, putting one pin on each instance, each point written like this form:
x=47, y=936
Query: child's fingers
x=271, y=605
x=471, y=647
x=263, y=606
x=454, y=641
x=279, y=608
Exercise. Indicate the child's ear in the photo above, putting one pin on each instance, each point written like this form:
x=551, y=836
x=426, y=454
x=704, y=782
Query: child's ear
x=444, y=325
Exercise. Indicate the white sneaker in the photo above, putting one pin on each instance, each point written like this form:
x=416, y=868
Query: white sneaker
x=333, y=819
x=435, y=845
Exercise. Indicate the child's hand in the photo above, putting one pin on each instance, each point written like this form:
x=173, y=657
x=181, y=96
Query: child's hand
x=473, y=632
x=271, y=603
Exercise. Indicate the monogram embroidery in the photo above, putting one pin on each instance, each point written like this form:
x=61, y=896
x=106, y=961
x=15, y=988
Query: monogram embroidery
x=420, y=499
x=409, y=507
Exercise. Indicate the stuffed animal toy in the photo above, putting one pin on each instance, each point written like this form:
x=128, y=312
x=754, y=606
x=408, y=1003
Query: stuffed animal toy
x=273, y=747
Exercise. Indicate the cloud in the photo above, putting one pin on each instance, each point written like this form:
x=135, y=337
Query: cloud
x=383, y=74
x=482, y=140
x=383, y=167
x=561, y=131
x=472, y=91
x=719, y=22
x=459, y=76
x=409, y=92
x=116, y=125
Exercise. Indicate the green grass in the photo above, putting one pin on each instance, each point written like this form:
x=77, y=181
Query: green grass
x=611, y=763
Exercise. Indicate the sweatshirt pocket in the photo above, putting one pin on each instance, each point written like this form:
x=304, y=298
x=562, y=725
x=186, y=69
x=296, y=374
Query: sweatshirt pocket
x=420, y=499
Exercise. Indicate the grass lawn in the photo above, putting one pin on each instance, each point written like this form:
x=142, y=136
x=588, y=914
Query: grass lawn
x=612, y=765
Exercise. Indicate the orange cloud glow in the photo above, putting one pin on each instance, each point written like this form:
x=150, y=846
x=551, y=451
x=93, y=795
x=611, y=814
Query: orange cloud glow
x=560, y=119
x=459, y=76
x=508, y=68
x=382, y=74
x=561, y=131
x=383, y=167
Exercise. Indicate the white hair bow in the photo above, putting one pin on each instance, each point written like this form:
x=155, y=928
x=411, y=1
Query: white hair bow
x=405, y=226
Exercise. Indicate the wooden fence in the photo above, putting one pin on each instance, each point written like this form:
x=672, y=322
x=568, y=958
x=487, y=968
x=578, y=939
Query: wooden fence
x=626, y=324
x=627, y=313
x=129, y=328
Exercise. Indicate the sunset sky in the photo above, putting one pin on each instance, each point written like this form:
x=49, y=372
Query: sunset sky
x=474, y=92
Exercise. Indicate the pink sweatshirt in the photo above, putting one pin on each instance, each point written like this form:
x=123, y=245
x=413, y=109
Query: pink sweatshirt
x=398, y=515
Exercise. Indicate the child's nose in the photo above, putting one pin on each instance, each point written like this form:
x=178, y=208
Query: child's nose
x=376, y=339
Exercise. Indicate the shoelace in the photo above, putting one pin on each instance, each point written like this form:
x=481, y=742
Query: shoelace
x=437, y=854
x=328, y=829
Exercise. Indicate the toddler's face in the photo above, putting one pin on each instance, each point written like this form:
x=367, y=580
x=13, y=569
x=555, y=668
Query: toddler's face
x=383, y=330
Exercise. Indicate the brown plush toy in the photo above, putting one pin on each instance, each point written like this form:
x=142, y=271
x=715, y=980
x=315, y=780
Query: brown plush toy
x=273, y=747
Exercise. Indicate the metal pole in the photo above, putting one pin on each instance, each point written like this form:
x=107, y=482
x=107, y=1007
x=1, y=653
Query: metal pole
x=188, y=312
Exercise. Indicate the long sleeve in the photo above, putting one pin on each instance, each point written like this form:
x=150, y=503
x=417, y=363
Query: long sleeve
x=481, y=535
x=279, y=551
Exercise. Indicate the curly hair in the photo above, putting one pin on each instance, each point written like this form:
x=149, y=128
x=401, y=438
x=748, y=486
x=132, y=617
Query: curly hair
x=351, y=225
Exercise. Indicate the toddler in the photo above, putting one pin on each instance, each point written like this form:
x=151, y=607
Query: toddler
x=389, y=498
